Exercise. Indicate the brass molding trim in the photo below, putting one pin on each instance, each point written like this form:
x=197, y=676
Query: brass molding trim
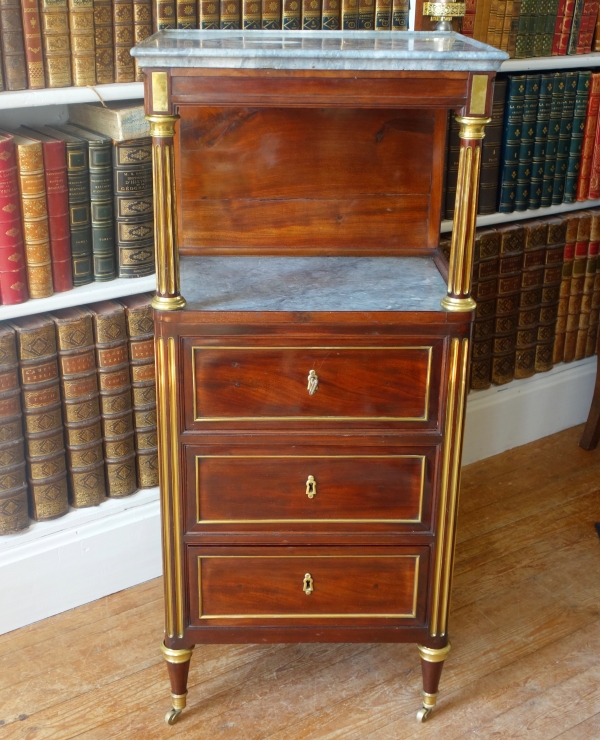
x=458, y=305
x=429, y=700
x=433, y=655
x=179, y=701
x=171, y=655
x=175, y=481
x=203, y=419
x=160, y=91
x=412, y=615
x=175, y=303
x=472, y=127
x=162, y=127
x=479, y=86
x=418, y=520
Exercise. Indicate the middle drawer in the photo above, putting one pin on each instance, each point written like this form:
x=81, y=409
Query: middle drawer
x=263, y=489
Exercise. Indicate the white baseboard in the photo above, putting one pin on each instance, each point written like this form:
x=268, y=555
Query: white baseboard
x=91, y=553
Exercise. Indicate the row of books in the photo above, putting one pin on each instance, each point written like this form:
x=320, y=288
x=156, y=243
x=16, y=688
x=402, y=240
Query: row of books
x=542, y=147
x=537, y=287
x=534, y=28
x=75, y=205
x=77, y=409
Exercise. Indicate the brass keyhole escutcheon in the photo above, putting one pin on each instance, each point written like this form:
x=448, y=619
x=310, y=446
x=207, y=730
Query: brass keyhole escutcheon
x=313, y=382
x=311, y=486
x=307, y=586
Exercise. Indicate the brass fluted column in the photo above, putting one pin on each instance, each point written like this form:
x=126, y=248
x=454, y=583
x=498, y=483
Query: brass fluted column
x=168, y=297
x=471, y=132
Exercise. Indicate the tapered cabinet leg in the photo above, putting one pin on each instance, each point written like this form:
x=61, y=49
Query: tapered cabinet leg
x=432, y=663
x=178, y=665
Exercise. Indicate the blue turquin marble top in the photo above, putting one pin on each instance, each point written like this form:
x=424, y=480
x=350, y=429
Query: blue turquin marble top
x=311, y=283
x=323, y=50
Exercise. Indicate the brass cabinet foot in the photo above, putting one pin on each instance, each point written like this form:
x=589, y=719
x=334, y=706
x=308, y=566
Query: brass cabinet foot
x=432, y=662
x=178, y=663
x=422, y=714
x=429, y=701
x=172, y=716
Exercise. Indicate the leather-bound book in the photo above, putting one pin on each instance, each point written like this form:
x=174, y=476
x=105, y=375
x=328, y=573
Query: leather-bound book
x=594, y=186
x=311, y=15
x=57, y=195
x=554, y=255
x=187, y=14
x=588, y=25
x=527, y=8
x=400, y=10
x=490, y=152
x=513, y=122
x=578, y=277
x=349, y=15
x=119, y=119
x=142, y=28
x=271, y=14
x=34, y=209
x=2, y=88
x=383, y=14
x=588, y=287
x=13, y=48
x=594, y=323
x=252, y=15
x=83, y=42
x=510, y=266
x=596, y=41
x=123, y=36
x=540, y=140
x=33, y=44
x=112, y=360
x=140, y=330
x=81, y=409
x=209, y=14
x=467, y=27
x=101, y=201
x=589, y=138
x=104, y=42
x=451, y=174
x=558, y=22
x=13, y=489
x=485, y=291
x=556, y=109
x=575, y=26
x=504, y=25
x=291, y=14
x=330, y=14
x=56, y=42
x=550, y=24
x=231, y=14
x=514, y=28
x=80, y=224
x=40, y=388
x=13, y=275
x=562, y=310
x=532, y=279
x=366, y=15
x=530, y=107
x=564, y=137
x=539, y=27
x=576, y=145
x=565, y=29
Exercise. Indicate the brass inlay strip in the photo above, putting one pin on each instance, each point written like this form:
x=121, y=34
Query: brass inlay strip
x=479, y=85
x=199, y=520
x=160, y=93
x=444, y=485
x=424, y=417
x=412, y=615
x=175, y=489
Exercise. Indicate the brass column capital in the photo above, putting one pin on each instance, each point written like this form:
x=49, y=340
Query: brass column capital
x=470, y=127
x=433, y=655
x=172, y=655
x=162, y=126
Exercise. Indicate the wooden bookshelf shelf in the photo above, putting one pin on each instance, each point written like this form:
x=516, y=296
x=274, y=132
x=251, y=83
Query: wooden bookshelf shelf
x=67, y=95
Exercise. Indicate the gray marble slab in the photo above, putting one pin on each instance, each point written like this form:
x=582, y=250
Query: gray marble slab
x=311, y=283
x=323, y=50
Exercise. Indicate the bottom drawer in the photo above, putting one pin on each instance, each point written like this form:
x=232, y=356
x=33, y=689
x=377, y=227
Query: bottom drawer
x=233, y=585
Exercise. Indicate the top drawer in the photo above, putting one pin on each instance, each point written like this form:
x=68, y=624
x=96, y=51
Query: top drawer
x=270, y=385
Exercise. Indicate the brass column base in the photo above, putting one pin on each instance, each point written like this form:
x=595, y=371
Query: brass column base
x=449, y=303
x=168, y=304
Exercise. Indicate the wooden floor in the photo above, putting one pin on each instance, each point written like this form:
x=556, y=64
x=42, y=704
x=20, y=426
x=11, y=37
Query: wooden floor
x=525, y=631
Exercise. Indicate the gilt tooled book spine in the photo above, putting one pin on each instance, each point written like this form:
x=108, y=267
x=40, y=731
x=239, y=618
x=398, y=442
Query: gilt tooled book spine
x=187, y=14
x=596, y=39
x=588, y=287
x=556, y=109
x=400, y=11
x=452, y=159
x=209, y=14
x=13, y=275
x=514, y=28
x=558, y=21
x=291, y=14
x=33, y=44
x=523, y=29
x=575, y=27
x=572, y=223
x=550, y=23
x=13, y=49
x=594, y=322
x=513, y=121
x=13, y=489
x=330, y=14
x=104, y=42
x=56, y=42
x=142, y=28
x=490, y=33
x=123, y=35
x=589, y=137
x=490, y=152
x=530, y=107
x=114, y=381
x=311, y=15
x=564, y=137
x=554, y=256
x=578, y=277
x=366, y=15
x=2, y=88
x=134, y=207
x=140, y=330
x=564, y=31
x=81, y=409
x=594, y=186
x=485, y=291
x=231, y=15
x=540, y=140
x=576, y=145
x=83, y=44
x=383, y=15
x=252, y=15
x=588, y=24
x=271, y=15
x=536, y=38
x=467, y=27
x=40, y=396
x=505, y=25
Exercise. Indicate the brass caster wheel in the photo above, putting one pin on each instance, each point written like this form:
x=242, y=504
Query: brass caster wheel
x=172, y=716
x=422, y=714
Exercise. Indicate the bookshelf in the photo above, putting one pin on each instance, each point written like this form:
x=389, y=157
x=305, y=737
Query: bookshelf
x=69, y=95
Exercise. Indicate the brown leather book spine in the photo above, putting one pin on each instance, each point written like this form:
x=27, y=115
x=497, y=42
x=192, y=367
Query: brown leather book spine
x=510, y=266
x=123, y=29
x=553, y=264
x=13, y=276
x=485, y=291
x=572, y=223
x=34, y=207
x=114, y=381
x=13, y=48
x=187, y=14
x=80, y=397
x=40, y=388
x=33, y=44
x=140, y=330
x=104, y=42
x=83, y=44
x=164, y=15
x=13, y=500
x=577, y=284
x=588, y=287
x=532, y=279
x=592, y=337
x=56, y=42
x=142, y=28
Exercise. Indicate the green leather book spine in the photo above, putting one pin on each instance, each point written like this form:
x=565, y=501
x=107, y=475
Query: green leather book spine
x=575, y=26
x=530, y=106
x=539, y=28
x=513, y=121
x=523, y=29
x=549, y=28
x=564, y=137
x=490, y=152
x=556, y=106
x=576, y=145
x=531, y=29
x=78, y=180
x=541, y=137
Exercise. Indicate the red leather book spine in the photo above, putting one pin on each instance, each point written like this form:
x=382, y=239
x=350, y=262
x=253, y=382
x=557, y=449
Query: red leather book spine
x=57, y=193
x=13, y=277
x=565, y=30
x=588, y=25
x=589, y=135
x=562, y=5
x=33, y=44
x=594, y=191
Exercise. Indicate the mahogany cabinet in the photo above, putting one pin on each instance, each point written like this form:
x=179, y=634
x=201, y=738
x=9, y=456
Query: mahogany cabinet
x=312, y=343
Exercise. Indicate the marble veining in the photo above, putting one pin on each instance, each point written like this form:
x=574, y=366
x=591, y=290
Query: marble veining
x=311, y=283
x=354, y=50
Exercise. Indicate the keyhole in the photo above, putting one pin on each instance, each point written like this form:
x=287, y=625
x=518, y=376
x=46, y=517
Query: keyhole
x=307, y=585
x=311, y=486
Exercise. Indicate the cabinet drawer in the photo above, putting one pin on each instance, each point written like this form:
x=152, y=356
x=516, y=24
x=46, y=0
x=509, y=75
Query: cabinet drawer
x=261, y=584
x=269, y=488
x=320, y=384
